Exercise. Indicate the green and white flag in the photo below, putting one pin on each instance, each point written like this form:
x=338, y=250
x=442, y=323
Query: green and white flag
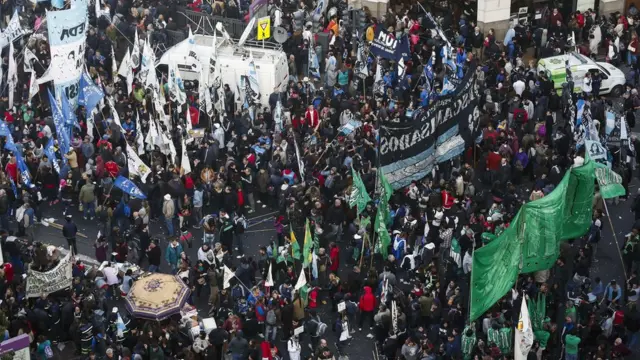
x=610, y=183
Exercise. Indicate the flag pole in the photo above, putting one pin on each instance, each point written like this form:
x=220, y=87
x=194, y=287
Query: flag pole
x=615, y=238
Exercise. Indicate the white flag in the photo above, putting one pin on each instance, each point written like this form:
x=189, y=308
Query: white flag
x=378, y=82
x=114, y=114
x=135, y=164
x=184, y=161
x=33, y=86
x=269, y=282
x=152, y=135
x=189, y=125
x=228, y=275
x=126, y=71
x=29, y=56
x=401, y=68
x=135, y=54
x=302, y=280
x=12, y=76
x=114, y=64
x=524, y=334
x=13, y=31
x=139, y=137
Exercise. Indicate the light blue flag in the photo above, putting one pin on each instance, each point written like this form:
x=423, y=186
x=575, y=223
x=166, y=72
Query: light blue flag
x=51, y=154
x=58, y=120
x=69, y=115
x=24, y=170
x=90, y=94
x=129, y=187
x=447, y=86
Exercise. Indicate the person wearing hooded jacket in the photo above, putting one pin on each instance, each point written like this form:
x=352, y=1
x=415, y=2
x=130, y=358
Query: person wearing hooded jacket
x=367, y=307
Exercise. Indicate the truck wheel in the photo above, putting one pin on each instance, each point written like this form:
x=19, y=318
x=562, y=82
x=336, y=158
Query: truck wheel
x=616, y=91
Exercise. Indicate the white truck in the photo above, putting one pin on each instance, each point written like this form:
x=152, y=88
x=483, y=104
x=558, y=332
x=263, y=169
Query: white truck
x=270, y=61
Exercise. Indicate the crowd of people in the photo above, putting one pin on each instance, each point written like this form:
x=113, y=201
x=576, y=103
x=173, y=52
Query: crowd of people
x=408, y=300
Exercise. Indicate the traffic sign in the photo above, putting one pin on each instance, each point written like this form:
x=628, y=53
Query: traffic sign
x=264, y=28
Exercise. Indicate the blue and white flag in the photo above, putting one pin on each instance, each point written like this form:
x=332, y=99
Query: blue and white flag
x=428, y=74
x=69, y=115
x=447, y=86
x=67, y=39
x=253, y=88
x=50, y=151
x=25, y=175
x=90, y=93
x=129, y=187
x=58, y=120
x=314, y=65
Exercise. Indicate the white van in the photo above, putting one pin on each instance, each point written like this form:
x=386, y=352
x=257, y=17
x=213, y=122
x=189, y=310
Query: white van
x=271, y=62
x=613, y=79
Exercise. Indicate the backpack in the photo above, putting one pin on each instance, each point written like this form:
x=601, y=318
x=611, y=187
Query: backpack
x=520, y=116
x=321, y=327
x=48, y=352
x=271, y=317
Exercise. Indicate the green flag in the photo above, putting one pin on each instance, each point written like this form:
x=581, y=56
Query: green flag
x=495, y=270
x=295, y=247
x=532, y=241
x=308, y=244
x=383, y=185
x=384, y=240
x=610, y=183
x=358, y=196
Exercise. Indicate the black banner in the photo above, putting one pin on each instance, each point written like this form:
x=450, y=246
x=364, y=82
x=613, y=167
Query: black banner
x=410, y=150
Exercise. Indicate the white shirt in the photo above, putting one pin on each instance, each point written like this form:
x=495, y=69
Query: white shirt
x=344, y=335
x=519, y=87
x=111, y=275
x=294, y=348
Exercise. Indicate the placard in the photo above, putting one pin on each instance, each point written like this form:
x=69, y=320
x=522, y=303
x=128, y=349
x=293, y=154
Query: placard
x=342, y=307
x=298, y=330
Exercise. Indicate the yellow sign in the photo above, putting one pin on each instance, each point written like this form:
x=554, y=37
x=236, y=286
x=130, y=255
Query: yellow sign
x=264, y=28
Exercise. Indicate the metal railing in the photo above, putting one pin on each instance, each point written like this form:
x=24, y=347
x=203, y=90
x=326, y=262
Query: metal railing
x=204, y=23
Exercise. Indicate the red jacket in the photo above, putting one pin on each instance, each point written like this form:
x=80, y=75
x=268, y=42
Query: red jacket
x=265, y=347
x=447, y=199
x=494, y=161
x=335, y=259
x=12, y=170
x=311, y=118
x=367, y=300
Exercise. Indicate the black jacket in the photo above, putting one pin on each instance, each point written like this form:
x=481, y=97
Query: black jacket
x=69, y=230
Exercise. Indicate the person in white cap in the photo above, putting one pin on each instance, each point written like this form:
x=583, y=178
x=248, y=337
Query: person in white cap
x=168, y=211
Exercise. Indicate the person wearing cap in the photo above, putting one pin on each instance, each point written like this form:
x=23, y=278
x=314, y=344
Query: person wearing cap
x=69, y=231
x=168, y=211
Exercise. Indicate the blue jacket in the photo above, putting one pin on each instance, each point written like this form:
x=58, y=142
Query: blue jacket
x=609, y=293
